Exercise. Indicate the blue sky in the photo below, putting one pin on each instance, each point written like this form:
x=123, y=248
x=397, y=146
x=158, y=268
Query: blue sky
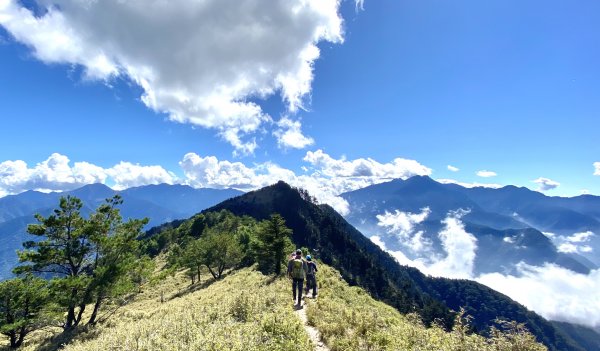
x=510, y=87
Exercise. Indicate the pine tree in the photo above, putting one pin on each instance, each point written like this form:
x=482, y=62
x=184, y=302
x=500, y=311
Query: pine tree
x=22, y=305
x=88, y=260
x=273, y=241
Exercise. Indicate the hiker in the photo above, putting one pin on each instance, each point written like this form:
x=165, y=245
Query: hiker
x=297, y=269
x=311, y=280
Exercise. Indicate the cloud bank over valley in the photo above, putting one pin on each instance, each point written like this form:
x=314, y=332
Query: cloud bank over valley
x=554, y=292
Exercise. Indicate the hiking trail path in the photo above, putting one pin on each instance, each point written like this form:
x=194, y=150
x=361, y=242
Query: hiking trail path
x=312, y=332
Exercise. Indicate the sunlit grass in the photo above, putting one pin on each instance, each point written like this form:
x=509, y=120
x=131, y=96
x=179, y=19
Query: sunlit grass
x=249, y=311
x=349, y=319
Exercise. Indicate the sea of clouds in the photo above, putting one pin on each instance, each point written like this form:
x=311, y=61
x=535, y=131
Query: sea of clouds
x=554, y=292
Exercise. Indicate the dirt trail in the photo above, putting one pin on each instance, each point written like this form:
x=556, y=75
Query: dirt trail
x=313, y=333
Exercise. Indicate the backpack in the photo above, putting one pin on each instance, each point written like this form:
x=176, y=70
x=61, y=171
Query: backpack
x=297, y=269
x=311, y=268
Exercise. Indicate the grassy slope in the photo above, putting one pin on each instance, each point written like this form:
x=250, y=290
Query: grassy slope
x=249, y=311
x=349, y=319
x=244, y=311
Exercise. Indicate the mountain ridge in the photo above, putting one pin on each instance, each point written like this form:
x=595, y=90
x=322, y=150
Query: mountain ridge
x=363, y=263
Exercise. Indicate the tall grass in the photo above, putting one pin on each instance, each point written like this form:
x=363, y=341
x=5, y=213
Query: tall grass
x=349, y=319
x=249, y=311
x=244, y=311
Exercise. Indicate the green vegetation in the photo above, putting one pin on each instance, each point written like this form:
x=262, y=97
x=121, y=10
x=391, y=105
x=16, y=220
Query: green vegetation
x=220, y=240
x=272, y=243
x=247, y=310
x=88, y=263
x=349, y=319
x=23, y=307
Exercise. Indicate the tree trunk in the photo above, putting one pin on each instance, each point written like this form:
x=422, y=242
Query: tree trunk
x=80, y=314
x=22, y=335
x=70, y=317
x=13, y=340
x=92, y=320
x=211, y=272
x=198, y=273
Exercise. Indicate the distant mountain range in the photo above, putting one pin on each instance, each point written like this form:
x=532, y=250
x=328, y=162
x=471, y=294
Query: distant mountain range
x=160, y=203
x=509, y=223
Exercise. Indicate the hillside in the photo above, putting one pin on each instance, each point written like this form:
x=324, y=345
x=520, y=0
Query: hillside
x=364, y=264
x=250, y=311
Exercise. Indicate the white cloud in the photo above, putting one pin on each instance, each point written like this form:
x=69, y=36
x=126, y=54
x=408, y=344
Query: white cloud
x=580, y=237
x=289, y=135
x=398, y=168
x=509, y=239
x=57, y=174
x=576, y=243
x=402, y=223
x=585, y=192
x=459, y=246
x=402, y=226
x=453, y=169
x=53, y=174
x=201, y=62
x=546, y=184
x=552, y=291
x=360, y=5
x=329, y=177
x=597, y=168
x=126, y=175
x=486, y=174
x=469, y=185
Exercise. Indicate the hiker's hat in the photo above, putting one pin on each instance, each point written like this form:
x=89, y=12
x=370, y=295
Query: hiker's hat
x=309, y=257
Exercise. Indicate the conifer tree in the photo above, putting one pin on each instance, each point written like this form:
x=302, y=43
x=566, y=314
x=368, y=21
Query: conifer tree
x=87, y=260
x=273, y=241
x=22, y=307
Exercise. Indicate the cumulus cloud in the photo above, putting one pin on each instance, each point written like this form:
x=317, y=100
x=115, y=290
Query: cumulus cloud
x=53, y=174
x=361, y=167
x=126, y=175
x=453, y=169
x=469, y=185
x=329, y=177
x=546, y=184
x=552, y=291
x=289, y=135
x=597, y=168
x=57, y=174
x=486, y=174
x=201, y=62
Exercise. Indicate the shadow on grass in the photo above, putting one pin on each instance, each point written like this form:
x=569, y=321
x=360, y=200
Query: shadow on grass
x=195, y=287
x=58, y=341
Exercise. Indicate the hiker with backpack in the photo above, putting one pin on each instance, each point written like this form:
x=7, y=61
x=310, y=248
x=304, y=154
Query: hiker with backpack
x=297, y=269
x=311, y=280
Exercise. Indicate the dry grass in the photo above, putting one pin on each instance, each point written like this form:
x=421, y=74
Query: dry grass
x=249, y=311
x=244, y=311
x=349, y=319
